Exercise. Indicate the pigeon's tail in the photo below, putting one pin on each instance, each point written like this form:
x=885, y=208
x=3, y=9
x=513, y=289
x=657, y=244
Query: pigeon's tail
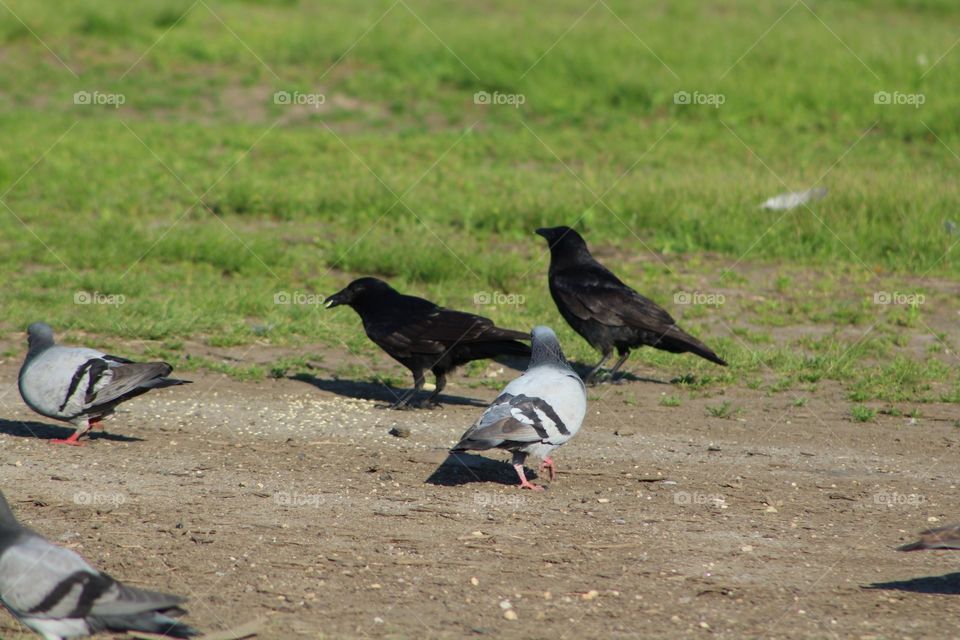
x=469, y=444
x=942, y=538
x=677, y=341
x=161, y=383
x=919, y=545
x=142, y=610
x=923, y=544
x=152, y=622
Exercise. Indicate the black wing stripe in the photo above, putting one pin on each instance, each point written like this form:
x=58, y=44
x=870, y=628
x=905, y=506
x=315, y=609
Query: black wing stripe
x=97, y=369
x=528, y=406
x=93, y=585
x=75, y=381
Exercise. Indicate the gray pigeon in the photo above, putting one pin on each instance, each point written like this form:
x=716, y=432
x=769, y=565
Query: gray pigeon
x=536, y=413
x=82, y=386
x=940, y=538
x=56, y=593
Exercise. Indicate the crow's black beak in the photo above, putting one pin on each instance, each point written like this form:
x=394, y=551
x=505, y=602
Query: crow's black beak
x=543, y=231
x=334, y=301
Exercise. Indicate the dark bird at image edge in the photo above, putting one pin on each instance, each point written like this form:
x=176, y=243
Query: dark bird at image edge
x=56, y=593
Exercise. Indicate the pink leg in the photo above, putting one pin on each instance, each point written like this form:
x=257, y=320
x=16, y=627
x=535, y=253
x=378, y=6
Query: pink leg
x=524, y=483
x=548, y=464
x=73, y=439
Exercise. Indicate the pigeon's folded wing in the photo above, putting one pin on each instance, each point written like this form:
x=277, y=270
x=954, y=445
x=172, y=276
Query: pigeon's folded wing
x=42, y=580
x=112, y=379
x=511, y=419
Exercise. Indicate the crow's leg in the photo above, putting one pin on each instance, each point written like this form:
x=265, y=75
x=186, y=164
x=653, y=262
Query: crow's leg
x=433, y=401
x=624, y=354
x=593, y=372
x=82, y=428
x=550, y=466
x=518, y=459
x=404, y=401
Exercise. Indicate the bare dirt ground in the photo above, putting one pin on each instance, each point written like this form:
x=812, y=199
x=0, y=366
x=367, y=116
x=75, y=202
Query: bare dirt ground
x=291, y=501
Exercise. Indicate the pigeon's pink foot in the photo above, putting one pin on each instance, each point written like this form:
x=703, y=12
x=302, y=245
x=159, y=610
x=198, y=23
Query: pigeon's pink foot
x=72, y=441
x=524, y=483
x=548, y=464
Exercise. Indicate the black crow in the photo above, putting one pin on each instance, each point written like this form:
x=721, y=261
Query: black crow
x=605, y=311
x=421, y=335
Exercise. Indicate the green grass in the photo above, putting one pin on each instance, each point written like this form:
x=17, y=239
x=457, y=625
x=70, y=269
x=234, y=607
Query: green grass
x=722, y=410
x=670, y=401
x=199, y=199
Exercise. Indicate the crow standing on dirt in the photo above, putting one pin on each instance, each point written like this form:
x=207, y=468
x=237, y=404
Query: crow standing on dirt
x=56, y=593
x=421, y=335
x=82, y=386
x=605, y=311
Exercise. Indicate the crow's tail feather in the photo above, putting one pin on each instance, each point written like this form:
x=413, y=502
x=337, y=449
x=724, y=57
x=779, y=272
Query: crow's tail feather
x=678, y=341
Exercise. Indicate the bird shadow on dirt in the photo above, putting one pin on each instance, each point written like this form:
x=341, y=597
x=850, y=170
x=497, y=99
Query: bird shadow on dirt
x=947, y=584
x=583, y=369
x=465, y=468
x=376, y=391
x=41, y=431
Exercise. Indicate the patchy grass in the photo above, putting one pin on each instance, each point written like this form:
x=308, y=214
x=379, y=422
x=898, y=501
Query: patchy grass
x=203, y=208
x=670, y=401
x=722, y=410
x=863, y=413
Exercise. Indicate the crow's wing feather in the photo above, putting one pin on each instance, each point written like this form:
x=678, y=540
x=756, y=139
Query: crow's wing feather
x=437, y=331
x=595, y=293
